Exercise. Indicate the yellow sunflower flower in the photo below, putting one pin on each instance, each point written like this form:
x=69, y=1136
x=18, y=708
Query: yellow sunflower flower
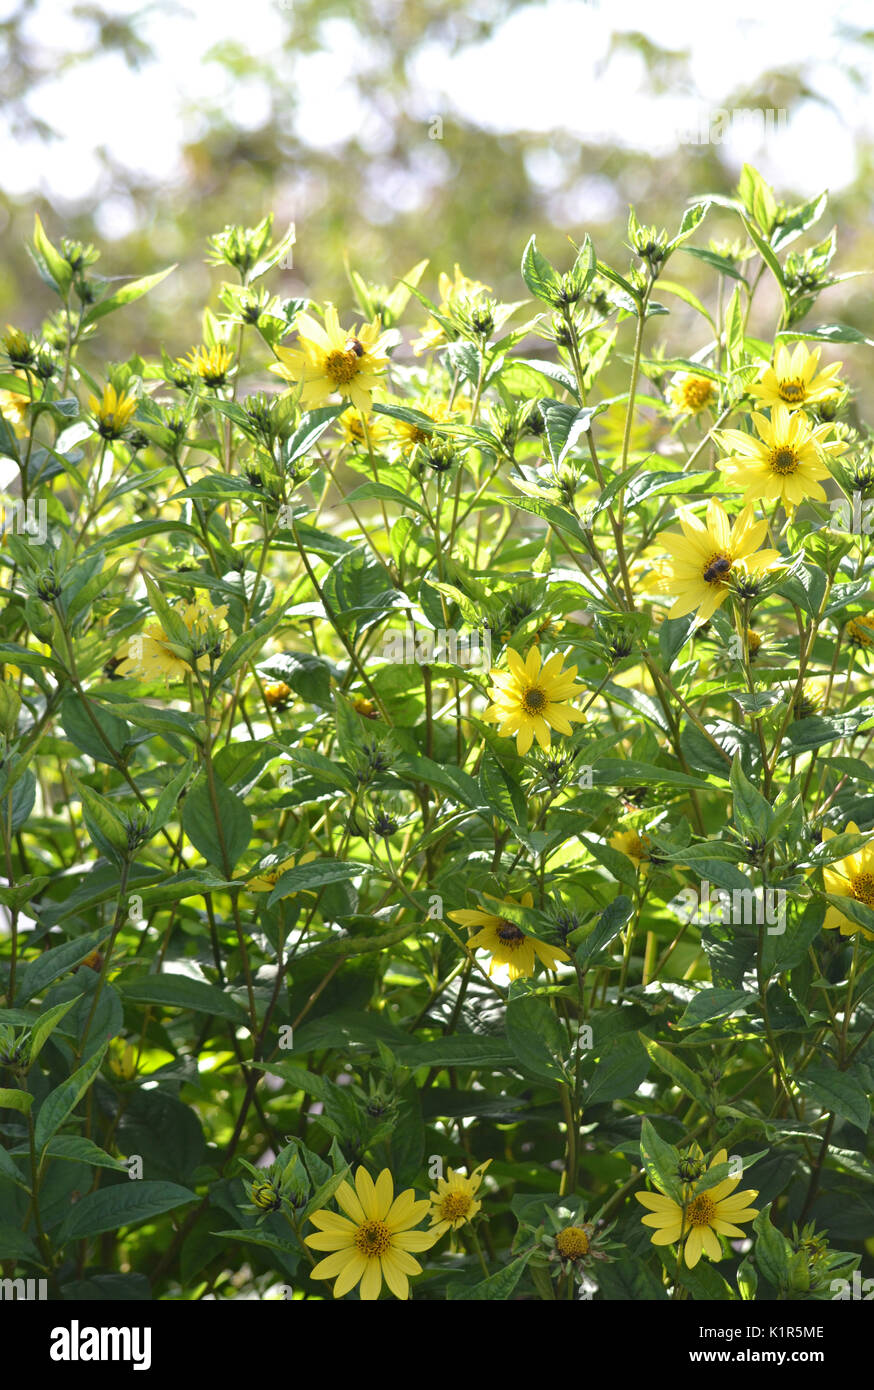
x=355, y=427
x=278, y=695
x=633, y=844
x=793, y=379
x=157, y=658
x=211, y=364
x=704, y=557
x=506, y=943
x=13, y=407
x=451, y=291
x=331, y=360
x=701, y=1219
x=852, y=877
x=113, y=413
x=267, y=877
x=373, y=1241
x=455, y=1202
x=531, y=699
x=784, y=464
x=860, y=631
x=690, y=394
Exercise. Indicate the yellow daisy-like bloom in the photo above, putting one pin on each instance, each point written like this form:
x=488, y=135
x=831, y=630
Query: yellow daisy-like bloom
x=572, y=1243
x=531, y=699
x=852, y=877
x=278, y=695
x=266, y=879
x=754, y=642
x=702, y=1219
x=451, y=290
x=793, y=380
x=210, y=364
x=811, y=699
x=356, y=426
x=374, y=1240
x=632, y=844
x=158, y=658
x=506, y=943
x=123, y=1060
x=455, y=1202
x=692, y=394
x=860, y=631
x=13, y=407
x=408, y=435
x=113, y=413
x=704, y=557
x=784, y=464
x=331, y=360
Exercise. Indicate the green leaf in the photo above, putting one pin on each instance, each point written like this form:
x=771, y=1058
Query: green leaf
x=315, y=875
x=45, y=1025
x=104, y=826
x=58, y=961
x=772, y=1249
x=837, y=1091
x=15, y=1100
x=181, y=992
x=49, y=261
x=461, y=1050
x=539, y=275
x=61, y=1102
x=678, y=1071
x=123, y=1204
x=15, y=1245
x=564, y=426
x=783, y=951
x=715, y=1003
x=619, y=1071
x=497, y=1287
x=606, y=929
x=126, y=295
x=77, y=1149
x=660, y=1161
x=220, y=831
x=536, y=1037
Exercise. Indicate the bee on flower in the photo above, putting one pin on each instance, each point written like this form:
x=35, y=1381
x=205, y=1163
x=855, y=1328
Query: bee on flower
x=331, y=361
x=706, y=558
x=507, y=943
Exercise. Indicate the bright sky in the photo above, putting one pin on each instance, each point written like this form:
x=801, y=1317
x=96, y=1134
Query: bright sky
x=548, y=68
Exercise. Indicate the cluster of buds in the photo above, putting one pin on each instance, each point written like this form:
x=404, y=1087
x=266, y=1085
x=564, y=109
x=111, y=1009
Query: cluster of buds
x=649, y=243
x=14, y=1049
x=241, y=247
x=474, y=315
x=283, y=1186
